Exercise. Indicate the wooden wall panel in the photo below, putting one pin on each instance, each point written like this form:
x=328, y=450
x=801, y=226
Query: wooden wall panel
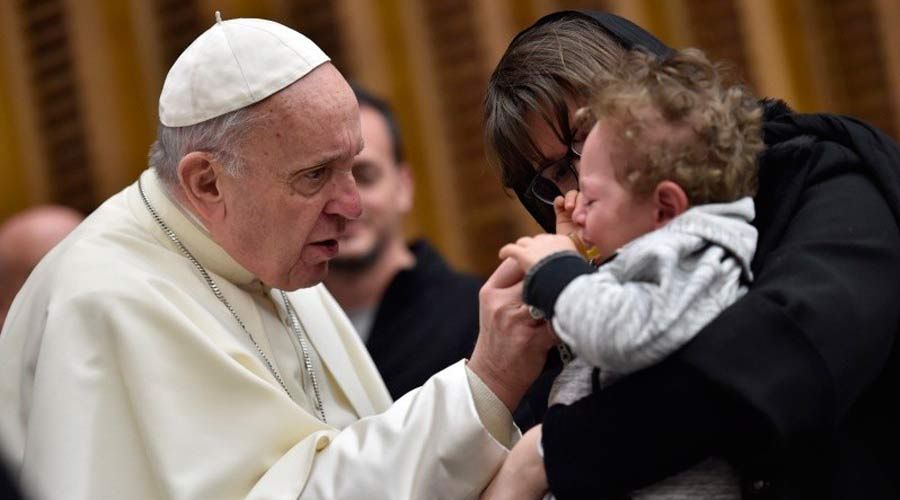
x=57, y=103
x=81, y=81
x=461, y=73
x=716, y=29
x=859, y=66
x=178, y=24
x=365, y=52
x=318, y=20
x=887, y=12
x=22, y=166
x=114, y=95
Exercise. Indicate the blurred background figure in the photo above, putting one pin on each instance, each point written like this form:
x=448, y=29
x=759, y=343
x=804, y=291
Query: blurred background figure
x=24, y=240
x=415, y=314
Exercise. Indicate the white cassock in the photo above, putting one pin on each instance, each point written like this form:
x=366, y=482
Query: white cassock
x=122, y=376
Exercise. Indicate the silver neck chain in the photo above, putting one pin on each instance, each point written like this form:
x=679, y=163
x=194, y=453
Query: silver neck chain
x=297, y=328
x=296, y=325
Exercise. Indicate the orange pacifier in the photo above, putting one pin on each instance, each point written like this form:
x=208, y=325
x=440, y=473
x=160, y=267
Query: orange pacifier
x=590, y=253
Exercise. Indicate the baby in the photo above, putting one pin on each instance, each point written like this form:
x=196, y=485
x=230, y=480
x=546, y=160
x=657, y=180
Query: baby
x=666, y=176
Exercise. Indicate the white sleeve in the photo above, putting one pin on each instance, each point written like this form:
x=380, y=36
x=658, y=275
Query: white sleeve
x=429, y=444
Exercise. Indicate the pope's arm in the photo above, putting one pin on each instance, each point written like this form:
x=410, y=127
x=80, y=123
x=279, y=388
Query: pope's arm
x=414, y=446
x=139, y=393
x=429, y=444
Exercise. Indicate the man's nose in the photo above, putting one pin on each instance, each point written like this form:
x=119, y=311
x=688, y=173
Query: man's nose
x=345, y=202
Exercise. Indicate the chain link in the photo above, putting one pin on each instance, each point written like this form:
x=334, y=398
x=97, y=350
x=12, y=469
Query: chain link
x=296, y=326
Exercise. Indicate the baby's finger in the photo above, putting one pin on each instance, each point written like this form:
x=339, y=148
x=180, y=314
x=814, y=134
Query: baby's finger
x=559, y=203
x=571, y=196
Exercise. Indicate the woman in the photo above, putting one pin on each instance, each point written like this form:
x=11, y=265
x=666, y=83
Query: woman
x=791, y=383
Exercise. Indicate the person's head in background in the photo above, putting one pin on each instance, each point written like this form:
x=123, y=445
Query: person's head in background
x=385, y=189
x=24, y=240
x=543, y=78
x=668, y=134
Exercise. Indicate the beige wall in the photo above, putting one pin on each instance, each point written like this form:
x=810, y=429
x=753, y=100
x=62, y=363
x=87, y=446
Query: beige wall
x=81, y=78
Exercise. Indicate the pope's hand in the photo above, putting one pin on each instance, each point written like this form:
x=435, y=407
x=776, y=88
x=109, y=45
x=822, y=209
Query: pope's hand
x=512, y=346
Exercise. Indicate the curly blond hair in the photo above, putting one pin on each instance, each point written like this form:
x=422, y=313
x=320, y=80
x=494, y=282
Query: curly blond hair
x=683, y=123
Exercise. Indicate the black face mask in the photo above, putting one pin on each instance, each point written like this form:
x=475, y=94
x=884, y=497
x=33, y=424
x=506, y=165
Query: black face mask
x=629, y=36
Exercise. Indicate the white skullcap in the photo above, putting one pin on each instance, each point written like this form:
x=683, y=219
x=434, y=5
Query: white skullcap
x=232, y=65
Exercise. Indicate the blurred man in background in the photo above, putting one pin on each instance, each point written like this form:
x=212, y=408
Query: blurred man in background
x=24, y=240
x=415, y=314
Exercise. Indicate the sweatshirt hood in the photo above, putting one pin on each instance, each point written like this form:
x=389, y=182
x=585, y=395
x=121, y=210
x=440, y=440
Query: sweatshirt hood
x=879, y=155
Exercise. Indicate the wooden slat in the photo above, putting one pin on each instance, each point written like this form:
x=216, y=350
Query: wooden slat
x=59, y=115
x=178, y=24
x=427, y=133
x=15, y=193
x=459, y=56
x=319, y=21
x=887, y=12
x=365, y=44
x=861, y=62
x=114, y=95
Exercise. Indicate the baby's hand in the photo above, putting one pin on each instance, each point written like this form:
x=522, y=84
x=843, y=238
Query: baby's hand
x=528, y=251
x=564, y=208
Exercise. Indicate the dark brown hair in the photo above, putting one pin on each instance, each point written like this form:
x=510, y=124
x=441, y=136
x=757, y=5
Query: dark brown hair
x=541, y=68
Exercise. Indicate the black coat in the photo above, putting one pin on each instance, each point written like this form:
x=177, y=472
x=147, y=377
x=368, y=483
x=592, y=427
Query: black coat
x=795, y=382
x=426, y=320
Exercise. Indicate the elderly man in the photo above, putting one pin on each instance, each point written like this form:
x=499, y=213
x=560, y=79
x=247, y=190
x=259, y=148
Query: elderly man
x=178, y=345
x=24, y=240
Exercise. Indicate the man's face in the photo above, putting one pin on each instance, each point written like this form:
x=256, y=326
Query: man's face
x=385, y=188
x=285, y=214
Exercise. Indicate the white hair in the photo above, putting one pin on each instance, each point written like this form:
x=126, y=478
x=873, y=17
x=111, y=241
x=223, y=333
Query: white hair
x=220, y=136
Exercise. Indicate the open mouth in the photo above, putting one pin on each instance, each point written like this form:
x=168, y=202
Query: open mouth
x=330, y=247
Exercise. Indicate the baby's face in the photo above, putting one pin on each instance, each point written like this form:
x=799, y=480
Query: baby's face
x=608, y=213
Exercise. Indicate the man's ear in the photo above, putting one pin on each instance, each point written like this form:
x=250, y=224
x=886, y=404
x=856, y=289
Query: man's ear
x=406, y=189
x=671, y=201
x=199, y=175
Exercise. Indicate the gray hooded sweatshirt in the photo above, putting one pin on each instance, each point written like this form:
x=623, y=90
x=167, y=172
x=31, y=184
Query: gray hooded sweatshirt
x=651, y=299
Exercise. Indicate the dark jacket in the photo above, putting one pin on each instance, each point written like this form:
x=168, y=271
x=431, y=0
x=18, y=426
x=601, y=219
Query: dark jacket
x=796, y=382
x=426, y=321
x=9, y=488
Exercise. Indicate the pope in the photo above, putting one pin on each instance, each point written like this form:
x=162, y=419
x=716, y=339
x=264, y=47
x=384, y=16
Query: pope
x=178, y=343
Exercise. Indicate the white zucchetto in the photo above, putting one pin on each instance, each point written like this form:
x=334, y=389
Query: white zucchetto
x=232, y=65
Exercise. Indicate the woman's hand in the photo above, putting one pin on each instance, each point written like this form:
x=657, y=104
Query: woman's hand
x=527, y=251
x=522, y=476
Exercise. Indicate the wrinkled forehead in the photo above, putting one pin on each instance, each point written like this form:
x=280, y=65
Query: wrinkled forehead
x=313, y=121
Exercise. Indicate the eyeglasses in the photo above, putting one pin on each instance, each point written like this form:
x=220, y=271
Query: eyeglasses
x=545, y=186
